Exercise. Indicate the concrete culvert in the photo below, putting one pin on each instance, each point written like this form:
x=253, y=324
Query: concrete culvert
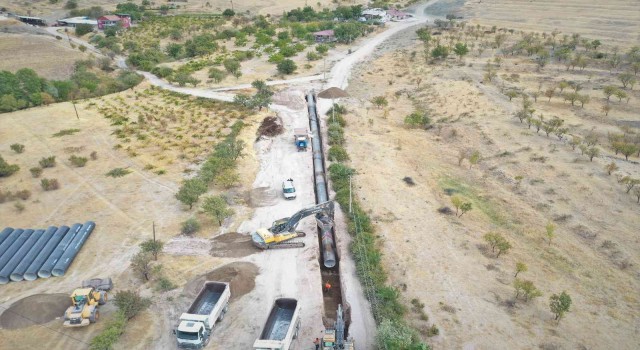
x=241, y=277
x=34, y=310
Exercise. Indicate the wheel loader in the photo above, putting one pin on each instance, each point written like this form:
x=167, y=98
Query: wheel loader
x=84, y=307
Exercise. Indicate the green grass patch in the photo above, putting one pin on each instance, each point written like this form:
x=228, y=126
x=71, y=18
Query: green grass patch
x=483, y=203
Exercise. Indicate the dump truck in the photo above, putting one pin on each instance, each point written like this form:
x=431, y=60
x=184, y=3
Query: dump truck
x=210, y=306
x=84, y=308
x=282, y=326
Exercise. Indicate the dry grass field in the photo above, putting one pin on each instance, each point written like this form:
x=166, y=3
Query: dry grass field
x=524, y=181
x=124, y=207
x=616, y=21
x=50, y=58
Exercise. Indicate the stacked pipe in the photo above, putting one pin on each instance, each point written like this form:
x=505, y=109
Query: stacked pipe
x=27, y=254
x=322, y=195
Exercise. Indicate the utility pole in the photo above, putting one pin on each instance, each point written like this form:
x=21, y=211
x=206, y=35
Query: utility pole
x=350, y=197
x=154, y=231
x=73, y=103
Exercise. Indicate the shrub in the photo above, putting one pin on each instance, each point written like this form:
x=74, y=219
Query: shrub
x=23, y=194
x=16, y=147
x=337, y=153
x=19, y=207
x=49, y=184
x=78, y=161
x=36, y=171
x=82, y=29
x=107, y=339
x=94, y=155
x=336, y=134
x=190, y=226
x=7, y=169
x=66, y=132
x=48, y=162
x=417, y=120
x=130, y=303
x=118, y=172
x=164, y=284
x=312, y=56
x=287, y=66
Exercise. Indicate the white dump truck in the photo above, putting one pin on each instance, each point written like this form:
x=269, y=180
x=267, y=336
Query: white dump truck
x=196, y=324
x=282, y=326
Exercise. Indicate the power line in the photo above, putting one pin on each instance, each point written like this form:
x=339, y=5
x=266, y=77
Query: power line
x=43, y=326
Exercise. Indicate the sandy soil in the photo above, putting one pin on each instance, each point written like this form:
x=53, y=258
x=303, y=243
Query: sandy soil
x=616, y=21
x=34, y=309
x=50, y=58
x=441, y=260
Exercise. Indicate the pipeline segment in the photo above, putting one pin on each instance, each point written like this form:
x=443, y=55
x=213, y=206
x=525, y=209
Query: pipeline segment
x=50, y=263
x=18, y=273
x=32, y=271
x=5, y=233
x=322, y=195
x=70, y=253
x=24, y=243
x=6, y=248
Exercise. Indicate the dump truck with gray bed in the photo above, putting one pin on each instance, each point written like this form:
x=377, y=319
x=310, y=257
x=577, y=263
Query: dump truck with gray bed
x=210, y=306
x=282, y=326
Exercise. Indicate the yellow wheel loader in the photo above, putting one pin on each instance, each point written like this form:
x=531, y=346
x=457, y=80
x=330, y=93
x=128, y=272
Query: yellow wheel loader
x=84, y=308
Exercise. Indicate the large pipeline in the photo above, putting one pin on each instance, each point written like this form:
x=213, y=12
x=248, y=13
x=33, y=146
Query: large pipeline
x=73, y=249
x=50, y=263
x=18, y=273
x=5, y=233
x=28, y=238
x=32, y=271
x=7, y=248
x=322, y=195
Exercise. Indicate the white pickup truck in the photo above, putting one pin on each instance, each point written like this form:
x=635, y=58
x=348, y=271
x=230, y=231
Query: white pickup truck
x=282, y=326
x=210, y=306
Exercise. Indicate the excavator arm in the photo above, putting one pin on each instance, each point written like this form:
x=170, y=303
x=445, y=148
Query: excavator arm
x=323, y=212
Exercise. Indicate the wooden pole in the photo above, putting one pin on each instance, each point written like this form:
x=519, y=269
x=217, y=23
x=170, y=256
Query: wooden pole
x=75, y=109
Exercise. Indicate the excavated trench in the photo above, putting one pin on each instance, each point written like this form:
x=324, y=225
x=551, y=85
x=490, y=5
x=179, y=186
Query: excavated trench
x=329, y=259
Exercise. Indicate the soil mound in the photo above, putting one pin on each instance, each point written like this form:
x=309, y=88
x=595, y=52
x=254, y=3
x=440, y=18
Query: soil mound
x=262, y=197
x=240, y=275
x=34, y=309
x=271, y=126
x=232, y=245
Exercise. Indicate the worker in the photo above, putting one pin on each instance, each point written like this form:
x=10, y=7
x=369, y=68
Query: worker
x=327, y=287
x=317, y=343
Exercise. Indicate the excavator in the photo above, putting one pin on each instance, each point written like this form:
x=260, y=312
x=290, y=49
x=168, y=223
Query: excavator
x=283, y=230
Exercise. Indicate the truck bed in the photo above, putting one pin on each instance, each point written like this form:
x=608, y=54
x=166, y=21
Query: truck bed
x=207, y=299
x=279, y=320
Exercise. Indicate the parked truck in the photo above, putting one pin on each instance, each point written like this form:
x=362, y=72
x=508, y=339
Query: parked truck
x=210, y=306
x=282, y=326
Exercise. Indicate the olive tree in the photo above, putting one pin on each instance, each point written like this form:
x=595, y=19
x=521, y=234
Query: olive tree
x=560, y=304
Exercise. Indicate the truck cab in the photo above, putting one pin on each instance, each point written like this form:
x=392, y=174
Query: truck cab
x=288, y=190
x=192, y=335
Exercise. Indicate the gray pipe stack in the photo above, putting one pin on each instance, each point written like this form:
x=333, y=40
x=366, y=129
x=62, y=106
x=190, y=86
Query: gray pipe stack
x=26, y=240
x=8, y=248
x=70, y=253
x=45, y=270
x=18, y=273
x=32, y=271
x=322, y=195
x=5, y=233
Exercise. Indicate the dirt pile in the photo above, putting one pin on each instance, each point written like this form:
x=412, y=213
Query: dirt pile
x=271, y=126
x=262, y=197
x=232, y=245
x=34, y=309
x=240, y=275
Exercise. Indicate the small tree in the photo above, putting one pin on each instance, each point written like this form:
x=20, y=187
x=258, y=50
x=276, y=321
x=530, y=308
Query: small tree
x=550, y=92
x=527, y=289
x=608, y=91
x=465, y=207
x=511, y=94
x=153, y=247
x=457, y=202
x=560, y=304
x=130, y=303
x=286, y=66
x=16, y=147
x=190, y=191
x=628, y=149
x=551, y=231
x=520, y=267
x=636, y=192
x=563, y=85
x=626, y=79
x=216, y=74
x=461, y=50
x=592, y=152
x=217, y=208
x=611, y=167
x=474, y=158
x=503, y=246
x=629, y=183
x=141, y=264
x=228, y=13
x=606, y=109
x=440, y=52
x=620, y=95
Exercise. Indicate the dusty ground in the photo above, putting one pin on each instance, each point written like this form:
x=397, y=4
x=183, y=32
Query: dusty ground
x=50, y=58
x=441, y=260
x=616, y=21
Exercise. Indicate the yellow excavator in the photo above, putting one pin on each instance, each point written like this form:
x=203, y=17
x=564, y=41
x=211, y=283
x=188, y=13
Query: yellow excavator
x=284, y=229
x=84, y=308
